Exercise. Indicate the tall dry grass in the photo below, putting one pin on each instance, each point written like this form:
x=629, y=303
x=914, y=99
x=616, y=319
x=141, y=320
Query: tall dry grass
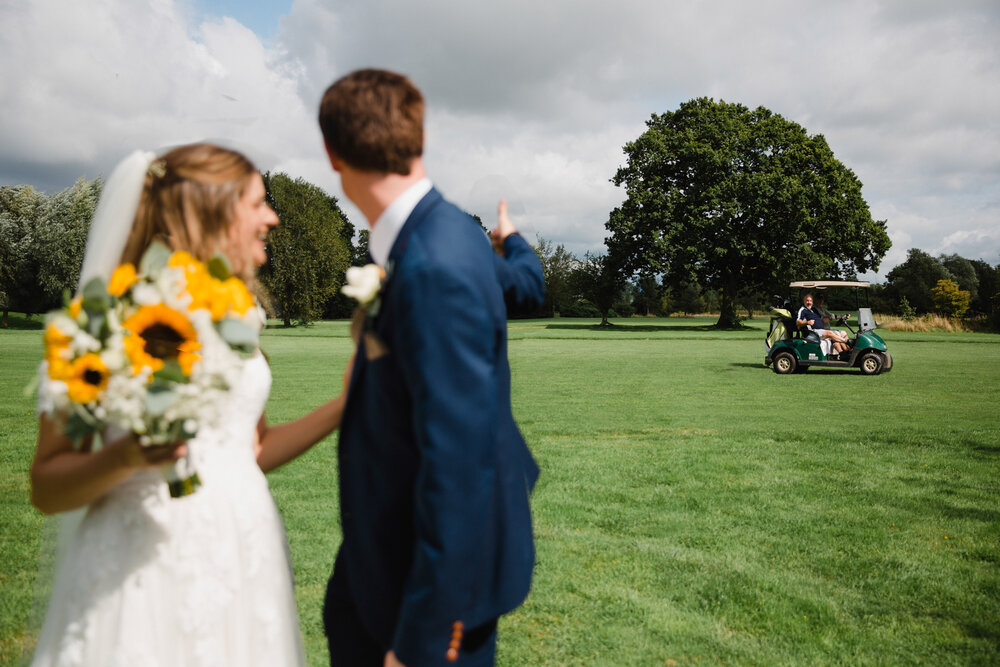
x=923, y=324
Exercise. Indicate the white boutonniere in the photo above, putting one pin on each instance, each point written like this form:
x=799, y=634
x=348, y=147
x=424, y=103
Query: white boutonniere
x=364, y=285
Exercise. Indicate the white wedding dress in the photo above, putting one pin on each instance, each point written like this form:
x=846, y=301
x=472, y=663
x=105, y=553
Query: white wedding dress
x=146, y=579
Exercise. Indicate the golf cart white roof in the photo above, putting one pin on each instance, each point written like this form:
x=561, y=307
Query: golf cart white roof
x=822, y=284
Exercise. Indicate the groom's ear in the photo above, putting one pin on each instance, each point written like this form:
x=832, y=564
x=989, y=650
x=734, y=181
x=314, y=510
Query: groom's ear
x=335, y=161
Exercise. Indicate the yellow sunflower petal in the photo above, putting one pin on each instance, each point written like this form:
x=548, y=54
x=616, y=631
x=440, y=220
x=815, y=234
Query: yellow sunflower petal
x=122, y=279
x=75, y=305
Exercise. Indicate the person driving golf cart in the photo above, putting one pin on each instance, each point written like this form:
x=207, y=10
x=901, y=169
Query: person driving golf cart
x=819, y=307
x=815, y=328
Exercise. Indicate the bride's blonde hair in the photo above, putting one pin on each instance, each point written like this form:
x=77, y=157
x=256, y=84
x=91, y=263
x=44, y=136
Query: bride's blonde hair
x=188, y=202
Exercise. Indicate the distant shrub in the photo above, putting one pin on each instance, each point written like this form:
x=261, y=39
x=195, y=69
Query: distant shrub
x=581, y=308
x=906, y=311
x=623, y=309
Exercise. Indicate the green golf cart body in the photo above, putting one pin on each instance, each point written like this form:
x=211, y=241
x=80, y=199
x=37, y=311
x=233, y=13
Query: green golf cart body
x=789, y=351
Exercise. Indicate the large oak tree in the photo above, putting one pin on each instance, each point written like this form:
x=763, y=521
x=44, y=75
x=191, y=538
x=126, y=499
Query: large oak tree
x=739, y=200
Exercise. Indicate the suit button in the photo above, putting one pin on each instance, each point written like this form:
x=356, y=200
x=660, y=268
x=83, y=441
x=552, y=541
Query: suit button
x=452, y=654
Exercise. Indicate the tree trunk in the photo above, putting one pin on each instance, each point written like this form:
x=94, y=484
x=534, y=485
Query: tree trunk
x=727, y=307
x=288, y=323
x=3, y=323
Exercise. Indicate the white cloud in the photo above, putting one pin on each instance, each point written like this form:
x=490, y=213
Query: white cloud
x=539, y=96
x=94, y=81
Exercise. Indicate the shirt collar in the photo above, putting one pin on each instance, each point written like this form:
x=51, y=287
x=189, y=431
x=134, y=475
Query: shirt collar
x=387, y=227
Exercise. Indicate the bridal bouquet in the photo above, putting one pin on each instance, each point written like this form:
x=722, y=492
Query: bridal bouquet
x=153, y=351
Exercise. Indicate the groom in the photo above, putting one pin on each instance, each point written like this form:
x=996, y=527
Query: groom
x=434, y=474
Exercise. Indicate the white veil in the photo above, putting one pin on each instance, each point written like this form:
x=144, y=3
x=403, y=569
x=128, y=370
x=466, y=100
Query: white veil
x=114, y=216
x=109, y=232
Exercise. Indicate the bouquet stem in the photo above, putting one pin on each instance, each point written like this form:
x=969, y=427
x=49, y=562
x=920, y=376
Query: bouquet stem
x=181, y=477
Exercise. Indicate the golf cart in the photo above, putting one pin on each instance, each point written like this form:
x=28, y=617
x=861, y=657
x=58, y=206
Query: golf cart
x=792, y=350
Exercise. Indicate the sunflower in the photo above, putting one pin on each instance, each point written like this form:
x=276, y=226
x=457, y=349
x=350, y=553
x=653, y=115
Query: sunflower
x=122, y=279
x=57, y=351
x=87, y=378
x=160, y=333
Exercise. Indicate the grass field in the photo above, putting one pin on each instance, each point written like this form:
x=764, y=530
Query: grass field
x=694, y=507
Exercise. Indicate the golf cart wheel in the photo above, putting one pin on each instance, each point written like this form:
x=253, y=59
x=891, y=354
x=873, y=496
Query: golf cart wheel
x=871, y=363
x=784, y=363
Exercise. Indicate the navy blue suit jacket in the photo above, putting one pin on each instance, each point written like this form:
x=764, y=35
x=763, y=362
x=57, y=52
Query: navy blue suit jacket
x=434, y=474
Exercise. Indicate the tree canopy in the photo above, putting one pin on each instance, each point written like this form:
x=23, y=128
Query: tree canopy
x=739, y=200
x=307, y=252
x=915, y=279
x=557, y=268
x=42, y=239
x=596, y=279
x=949, y=300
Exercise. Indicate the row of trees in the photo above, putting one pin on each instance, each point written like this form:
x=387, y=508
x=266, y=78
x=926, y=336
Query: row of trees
x=948, y=284
x=591, y=287
x=43, y=237
x=724, y=206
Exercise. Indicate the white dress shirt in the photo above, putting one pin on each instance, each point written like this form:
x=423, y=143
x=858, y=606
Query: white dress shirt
x=387, y=227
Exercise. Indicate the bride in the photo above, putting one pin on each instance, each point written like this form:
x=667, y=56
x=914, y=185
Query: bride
x=142, y=578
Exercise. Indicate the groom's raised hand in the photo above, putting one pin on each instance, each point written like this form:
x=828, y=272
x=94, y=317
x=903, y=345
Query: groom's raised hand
x=503, y=229
x=392, y=661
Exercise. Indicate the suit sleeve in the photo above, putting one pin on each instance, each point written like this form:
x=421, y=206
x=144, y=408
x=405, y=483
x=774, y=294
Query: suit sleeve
x=448, y=347
x=520, y=274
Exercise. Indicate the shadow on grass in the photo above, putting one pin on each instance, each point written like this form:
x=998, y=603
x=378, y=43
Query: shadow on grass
x=814, y=370
x=19, y=322
x=643, y=328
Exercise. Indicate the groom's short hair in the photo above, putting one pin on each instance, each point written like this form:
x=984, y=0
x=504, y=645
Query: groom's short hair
x=373, y=120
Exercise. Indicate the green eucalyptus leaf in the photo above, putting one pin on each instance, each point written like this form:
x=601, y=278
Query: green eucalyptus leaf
x=95, y=296
x=219, y=267
x=80, y=424
x=154, y=259
x=77, y=429
x=97, y=325
x=159, y=399
x=238, y=335
x=171, y=372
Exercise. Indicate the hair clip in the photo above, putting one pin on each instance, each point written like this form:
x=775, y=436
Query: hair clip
x=157, y=169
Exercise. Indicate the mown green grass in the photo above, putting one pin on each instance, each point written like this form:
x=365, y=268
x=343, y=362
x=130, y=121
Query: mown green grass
x=693, y=506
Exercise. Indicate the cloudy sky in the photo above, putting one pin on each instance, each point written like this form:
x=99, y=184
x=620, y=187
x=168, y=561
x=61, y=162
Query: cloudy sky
x=531, y=99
